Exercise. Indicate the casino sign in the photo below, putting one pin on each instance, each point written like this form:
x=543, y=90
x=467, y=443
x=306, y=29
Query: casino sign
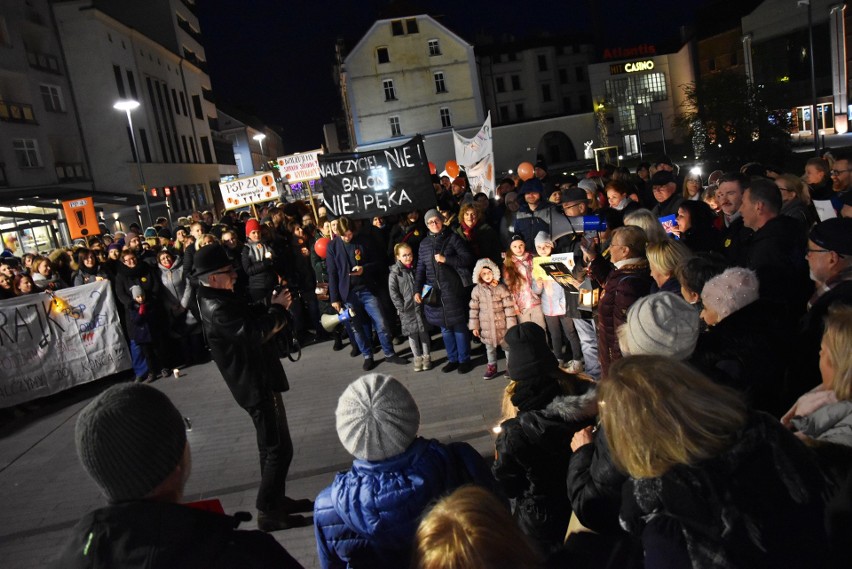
x=631, y=67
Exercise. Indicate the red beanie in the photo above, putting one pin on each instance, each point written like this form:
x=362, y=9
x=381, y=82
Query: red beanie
x=252, y=225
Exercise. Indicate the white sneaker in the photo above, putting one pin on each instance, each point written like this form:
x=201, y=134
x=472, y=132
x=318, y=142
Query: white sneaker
x=575, y=366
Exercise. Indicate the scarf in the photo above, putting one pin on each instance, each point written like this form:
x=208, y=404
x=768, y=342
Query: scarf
x=468, y=231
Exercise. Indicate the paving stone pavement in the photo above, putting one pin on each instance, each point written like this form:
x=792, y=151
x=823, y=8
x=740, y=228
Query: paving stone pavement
x=44, y=490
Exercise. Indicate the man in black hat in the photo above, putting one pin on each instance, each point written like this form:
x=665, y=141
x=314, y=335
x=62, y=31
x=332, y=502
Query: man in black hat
x=240, y=336
x=664, y=186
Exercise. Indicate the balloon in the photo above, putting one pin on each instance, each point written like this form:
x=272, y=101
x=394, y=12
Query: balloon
x=321, y=246
x=432, y=168
x=452, y=168
x=525, y=171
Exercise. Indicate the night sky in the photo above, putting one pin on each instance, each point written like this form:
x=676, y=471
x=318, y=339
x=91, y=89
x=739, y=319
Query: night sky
x=274, y=58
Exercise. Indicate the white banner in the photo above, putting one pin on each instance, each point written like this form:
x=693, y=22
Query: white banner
x=246, y=191
x=44, y=350
x=476, y=156
x=299, y=167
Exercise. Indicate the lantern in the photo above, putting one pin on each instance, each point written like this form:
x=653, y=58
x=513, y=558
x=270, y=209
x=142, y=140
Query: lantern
x=589, y=295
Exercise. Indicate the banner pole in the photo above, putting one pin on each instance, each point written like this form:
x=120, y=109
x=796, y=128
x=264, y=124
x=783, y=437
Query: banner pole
x=311, y=199
x=254, y=211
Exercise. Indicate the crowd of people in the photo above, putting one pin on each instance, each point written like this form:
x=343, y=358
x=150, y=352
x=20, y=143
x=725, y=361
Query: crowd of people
x=679, y=389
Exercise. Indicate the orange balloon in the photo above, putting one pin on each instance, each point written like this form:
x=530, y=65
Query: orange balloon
x=321, y=246
x=432, y=168
x=452, y=168
x=525, y=171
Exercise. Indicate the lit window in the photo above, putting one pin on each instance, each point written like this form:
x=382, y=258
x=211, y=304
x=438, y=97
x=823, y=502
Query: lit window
x=440, y=85
x=390, y=93
x=434, y=48
x=394, y=124
x=446, y=120
x=26, y=152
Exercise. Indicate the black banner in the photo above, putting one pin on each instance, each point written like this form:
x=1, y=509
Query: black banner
x=379, y=182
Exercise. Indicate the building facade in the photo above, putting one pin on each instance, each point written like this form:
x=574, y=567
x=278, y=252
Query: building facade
x=254, y=145
x=408, y=76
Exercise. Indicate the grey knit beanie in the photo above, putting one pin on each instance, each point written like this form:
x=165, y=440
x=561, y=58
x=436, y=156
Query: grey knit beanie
x=129, y=439
x=430, y=214
x=661, y=324
x=136, y=290
x=377, y=417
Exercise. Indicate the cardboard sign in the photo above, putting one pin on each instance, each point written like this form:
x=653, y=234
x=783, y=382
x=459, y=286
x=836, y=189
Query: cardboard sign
x=246, y=191
x=299, y=167
x=81, y=218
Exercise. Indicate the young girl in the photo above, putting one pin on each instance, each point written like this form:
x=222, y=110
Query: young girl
x=492, y=312
x=401, y=284
x=517, y=272
x=554, y=307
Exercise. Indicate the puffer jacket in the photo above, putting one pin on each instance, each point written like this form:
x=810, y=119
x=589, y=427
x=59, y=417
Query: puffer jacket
x=259, y=268
x=532, y=455
x=453, y=310
x=401, y=285
x=830, y=423
x=369, y=514
x=492, y=308
x=621, y=288
x=175, y=292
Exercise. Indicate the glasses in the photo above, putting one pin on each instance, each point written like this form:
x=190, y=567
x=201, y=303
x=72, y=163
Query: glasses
x=571, y=206
x=433, y=221
x=838, y=172
x=817, y=251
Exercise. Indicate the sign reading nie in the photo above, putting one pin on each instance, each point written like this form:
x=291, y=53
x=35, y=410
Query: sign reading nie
x=379, y=182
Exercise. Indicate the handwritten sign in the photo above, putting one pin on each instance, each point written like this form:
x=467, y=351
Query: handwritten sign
x=299, y=167
x=379, y=182
x=44, y=350
x=246, y=191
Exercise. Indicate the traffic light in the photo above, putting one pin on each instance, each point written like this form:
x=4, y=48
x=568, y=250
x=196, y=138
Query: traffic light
x=154, y=192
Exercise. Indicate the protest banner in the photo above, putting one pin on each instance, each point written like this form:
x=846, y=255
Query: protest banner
x=379, y=182
x=250, y=190
x=81, y=218
x=476, y=156
x=299, y=167
x=48, y=346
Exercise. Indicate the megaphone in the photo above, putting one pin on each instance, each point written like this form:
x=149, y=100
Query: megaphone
x=330, y=321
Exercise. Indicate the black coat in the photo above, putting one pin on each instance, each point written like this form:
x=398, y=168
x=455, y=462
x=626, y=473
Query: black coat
x=453, y=310
x=484, y=243
x=733, y=240
x=259, y=268
x=240, y=339
x=159, y=535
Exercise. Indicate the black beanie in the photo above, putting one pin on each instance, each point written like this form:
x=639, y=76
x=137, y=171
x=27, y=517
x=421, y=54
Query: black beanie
x=530, y=356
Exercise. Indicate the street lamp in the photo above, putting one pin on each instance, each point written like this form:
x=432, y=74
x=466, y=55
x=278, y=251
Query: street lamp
x=814, y=107
x=129, y=105
x=259, y=138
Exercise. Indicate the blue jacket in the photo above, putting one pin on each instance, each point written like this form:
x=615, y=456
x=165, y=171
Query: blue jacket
x=369, y=514
x=338, y=266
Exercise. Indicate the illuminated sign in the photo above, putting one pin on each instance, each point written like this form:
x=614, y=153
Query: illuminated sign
x=631, y=67
x=628, y=52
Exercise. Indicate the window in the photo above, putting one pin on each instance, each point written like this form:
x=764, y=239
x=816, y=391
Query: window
x=205, y=150
x=584, y=102
x=434, y=48
x=394, y=124
x=411, y=26
x=500, y=84
x=545, y=93
x=640, y=89
x=566, y=104
x=396, y=28
x=711, y=64
x=580, y=73
x=52, y=97
x=131, y=84
x=196, y=106
x=563, y=76
x=4, y=32
x=183, y=103
x=542, y=62
x=519, y=110
x=440, y=86
x=446, y=120
x=390, y=93
x=146, y=150
x=504, y=113
x=119, y=81
x=516, y=83
x=26, y=152
x=382, y=55
x=175, y=99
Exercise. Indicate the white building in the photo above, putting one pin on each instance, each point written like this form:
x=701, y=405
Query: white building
x=254, y=145
x=408, y=76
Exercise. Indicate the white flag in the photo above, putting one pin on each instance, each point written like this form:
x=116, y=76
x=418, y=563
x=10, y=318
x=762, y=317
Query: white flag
x=476, y=156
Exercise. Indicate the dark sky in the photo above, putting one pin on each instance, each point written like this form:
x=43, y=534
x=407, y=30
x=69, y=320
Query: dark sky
x=274, y=58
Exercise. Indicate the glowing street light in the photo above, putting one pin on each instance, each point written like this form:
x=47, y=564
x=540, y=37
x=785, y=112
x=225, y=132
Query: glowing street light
x=128, y=106
x=259, y=138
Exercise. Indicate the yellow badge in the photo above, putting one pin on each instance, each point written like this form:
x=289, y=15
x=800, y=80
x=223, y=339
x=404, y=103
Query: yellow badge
x=417, y=232
x=144, y=279
x=727, y=243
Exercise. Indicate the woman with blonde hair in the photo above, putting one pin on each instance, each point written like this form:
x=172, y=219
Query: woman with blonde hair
x=471, y=529
x=796, y=199
x=711, y=483
x=663, y=258
x=692, y=187
x=825, y=412
x=649, y=223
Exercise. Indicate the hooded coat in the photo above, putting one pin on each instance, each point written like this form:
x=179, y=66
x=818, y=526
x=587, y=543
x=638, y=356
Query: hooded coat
x=369, y=514
x=533, y=451
x=401, y=285
x=492, y=308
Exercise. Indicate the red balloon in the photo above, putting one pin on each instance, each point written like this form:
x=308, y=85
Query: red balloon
x=525, y=171
x=452, y=168
x=432, y=168
x=321, y=246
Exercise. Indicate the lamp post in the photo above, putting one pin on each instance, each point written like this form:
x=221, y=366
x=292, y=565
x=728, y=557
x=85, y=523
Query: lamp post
x=259, y=138
x=814, y=107
x=128, y=105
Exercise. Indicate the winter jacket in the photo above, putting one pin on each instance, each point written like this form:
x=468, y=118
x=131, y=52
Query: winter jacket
x=401, y=286
x=757, y=504
x=259, y=268
x=547, y=218
x=702, y=240
x=160, y=535
x=532, y=455
x=798, y=210
x=492, y=308
x=483, y=242
x=668, y=207
x=369, y=514
x=85, y=275
x=175, y=291
x=142, y=275
x=339, y=265
x=138, y=323
x=552, y=296
x=525, y=297
x=453, y=310
x=240, y=339
x=621, y=288
x=734, y=237
x=405, y=232
x=830, y=423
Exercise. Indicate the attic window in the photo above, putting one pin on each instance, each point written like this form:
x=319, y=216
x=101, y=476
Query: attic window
x=396, y=28
x=411, y=26
x=382, y=55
